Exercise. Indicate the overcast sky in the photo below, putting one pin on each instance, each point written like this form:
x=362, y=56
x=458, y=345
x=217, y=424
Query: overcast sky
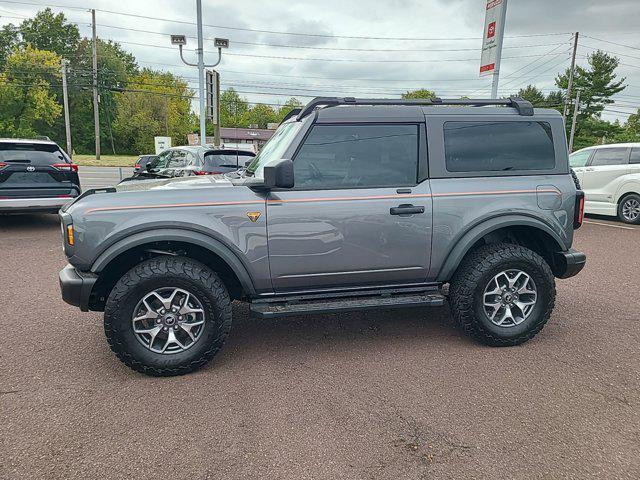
x=440, y=50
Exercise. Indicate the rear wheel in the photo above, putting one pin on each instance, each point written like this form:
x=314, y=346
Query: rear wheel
x=167, y=316
x=629, y=209
x=502, y=294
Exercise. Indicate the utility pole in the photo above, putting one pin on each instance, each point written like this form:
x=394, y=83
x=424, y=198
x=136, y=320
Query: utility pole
x=576, y=109
x=500, y=37
x=221, y=43
x=65, y=100
x=96, y=112
x=570, y=82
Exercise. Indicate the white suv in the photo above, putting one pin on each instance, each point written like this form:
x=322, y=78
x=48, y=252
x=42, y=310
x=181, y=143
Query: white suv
x=610, y=179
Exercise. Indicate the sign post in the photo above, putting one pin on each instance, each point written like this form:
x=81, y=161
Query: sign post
x=492, y=37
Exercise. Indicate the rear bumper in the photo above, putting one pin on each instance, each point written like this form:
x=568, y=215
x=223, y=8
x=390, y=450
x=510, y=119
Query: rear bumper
x=569, y=263
x=49, y=204
x=76, y=287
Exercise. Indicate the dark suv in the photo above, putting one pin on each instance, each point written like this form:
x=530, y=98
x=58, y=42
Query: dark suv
x=35, y=175
x=195, y=160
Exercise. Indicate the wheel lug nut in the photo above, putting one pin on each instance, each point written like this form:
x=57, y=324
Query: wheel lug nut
x=166, y=328
x=158, y=320
x=175, y=327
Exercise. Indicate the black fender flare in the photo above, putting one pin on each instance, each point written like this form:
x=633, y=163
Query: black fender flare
x=178, y=235
x=475, y=233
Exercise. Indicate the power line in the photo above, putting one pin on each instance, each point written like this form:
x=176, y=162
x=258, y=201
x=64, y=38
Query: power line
x=276, y=32
x=612, y=43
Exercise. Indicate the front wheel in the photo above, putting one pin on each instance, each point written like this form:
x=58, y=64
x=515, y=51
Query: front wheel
x=167, y=316
x=629, y=209
x=502, y=294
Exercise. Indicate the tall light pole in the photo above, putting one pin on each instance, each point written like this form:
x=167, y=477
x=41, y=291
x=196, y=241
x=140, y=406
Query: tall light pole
x=96, y=97
x=221, y=43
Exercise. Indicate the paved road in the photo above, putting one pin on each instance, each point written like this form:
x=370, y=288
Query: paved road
x=384, y=395
x=100, y=177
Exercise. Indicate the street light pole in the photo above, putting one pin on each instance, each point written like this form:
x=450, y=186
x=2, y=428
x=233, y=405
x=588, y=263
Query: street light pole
x=181, y=41
x=200, y=53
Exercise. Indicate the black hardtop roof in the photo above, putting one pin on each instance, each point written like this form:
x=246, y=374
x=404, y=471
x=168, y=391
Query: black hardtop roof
x=410, y=110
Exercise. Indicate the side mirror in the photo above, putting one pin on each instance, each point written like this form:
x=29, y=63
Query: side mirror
x=279, y=174
x=248, y=162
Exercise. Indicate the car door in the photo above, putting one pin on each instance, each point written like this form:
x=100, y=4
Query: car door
x=359, y=214
x=634, y=162
x=578, y=161
x=600, y=176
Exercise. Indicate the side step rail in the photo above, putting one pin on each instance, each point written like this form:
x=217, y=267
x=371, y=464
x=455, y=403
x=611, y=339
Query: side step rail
x=301, y=306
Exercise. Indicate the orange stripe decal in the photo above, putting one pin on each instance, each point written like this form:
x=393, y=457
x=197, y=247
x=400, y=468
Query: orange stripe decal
x=321, y=199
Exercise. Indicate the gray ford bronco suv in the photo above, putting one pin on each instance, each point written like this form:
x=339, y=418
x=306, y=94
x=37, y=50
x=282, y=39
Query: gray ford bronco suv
x=353, y=204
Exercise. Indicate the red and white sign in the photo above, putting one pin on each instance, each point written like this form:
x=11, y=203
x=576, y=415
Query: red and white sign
x=492, y=36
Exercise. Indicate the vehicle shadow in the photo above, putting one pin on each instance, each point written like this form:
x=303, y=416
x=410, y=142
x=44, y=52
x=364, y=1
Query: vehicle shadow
x=29, y=222
x=336, y=333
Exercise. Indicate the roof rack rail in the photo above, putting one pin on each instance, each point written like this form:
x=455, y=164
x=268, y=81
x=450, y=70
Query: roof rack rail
x=292, y=113
x=524, y=107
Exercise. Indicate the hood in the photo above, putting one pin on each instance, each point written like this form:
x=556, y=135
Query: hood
x=173, y=183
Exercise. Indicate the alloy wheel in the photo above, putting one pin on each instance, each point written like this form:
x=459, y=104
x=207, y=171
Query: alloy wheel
x=168, y=320
x=509, y=298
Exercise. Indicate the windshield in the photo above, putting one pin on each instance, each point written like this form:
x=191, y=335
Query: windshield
x=274, y=148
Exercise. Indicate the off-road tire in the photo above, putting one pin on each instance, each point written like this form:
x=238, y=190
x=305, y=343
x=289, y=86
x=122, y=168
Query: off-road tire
x=473, y=275
x=626, y=198
x=166, y=271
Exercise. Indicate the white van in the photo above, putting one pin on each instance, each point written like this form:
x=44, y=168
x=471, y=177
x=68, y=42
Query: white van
x=610, y=179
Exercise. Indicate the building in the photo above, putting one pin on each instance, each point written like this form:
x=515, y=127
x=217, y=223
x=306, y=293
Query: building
x=256, y=137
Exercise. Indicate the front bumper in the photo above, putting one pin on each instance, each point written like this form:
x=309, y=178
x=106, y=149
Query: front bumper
x=51, y=204
x=76, y=287
x=569, y=263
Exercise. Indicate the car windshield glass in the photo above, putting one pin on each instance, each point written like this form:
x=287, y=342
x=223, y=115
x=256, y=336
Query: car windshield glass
x=274, y=148
x=32, y=153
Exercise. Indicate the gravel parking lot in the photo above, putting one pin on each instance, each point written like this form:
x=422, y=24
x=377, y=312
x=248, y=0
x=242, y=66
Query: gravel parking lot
x=384, y=395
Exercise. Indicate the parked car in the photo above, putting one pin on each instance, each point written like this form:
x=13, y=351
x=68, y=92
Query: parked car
x=610, y=179
x=35, y=176
x=141, y=163
x=195, y=160
x=368, y=207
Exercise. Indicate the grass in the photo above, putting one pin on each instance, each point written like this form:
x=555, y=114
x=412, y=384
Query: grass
x=105, y=160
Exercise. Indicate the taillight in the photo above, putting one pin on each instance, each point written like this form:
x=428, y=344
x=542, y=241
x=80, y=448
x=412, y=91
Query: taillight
x=207, y=173
x=578, y=213
x=2, y=165
x=137, y=166
x=69, y=167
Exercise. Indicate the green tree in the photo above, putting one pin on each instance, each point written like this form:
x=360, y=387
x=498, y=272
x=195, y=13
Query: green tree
x=153, y=104
x=419, y=94
x=46, y=31
x=115, y=67
x=260, y=115
x=597, y=83
x=9, y=41
x=233, y=109
x=286, y=108
x=28, y=106
x=532, y=94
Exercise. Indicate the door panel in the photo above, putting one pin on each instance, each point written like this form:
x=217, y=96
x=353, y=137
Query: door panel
x=357, y=215
x=334, y=238
x=599, y=180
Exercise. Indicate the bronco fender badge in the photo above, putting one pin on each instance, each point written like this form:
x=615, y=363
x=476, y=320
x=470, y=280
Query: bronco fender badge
x=253, y=216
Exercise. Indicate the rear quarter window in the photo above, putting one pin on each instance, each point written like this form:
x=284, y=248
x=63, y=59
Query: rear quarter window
x=498, y=146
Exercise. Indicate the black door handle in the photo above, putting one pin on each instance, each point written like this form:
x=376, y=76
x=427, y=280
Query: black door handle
x=406, y=209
